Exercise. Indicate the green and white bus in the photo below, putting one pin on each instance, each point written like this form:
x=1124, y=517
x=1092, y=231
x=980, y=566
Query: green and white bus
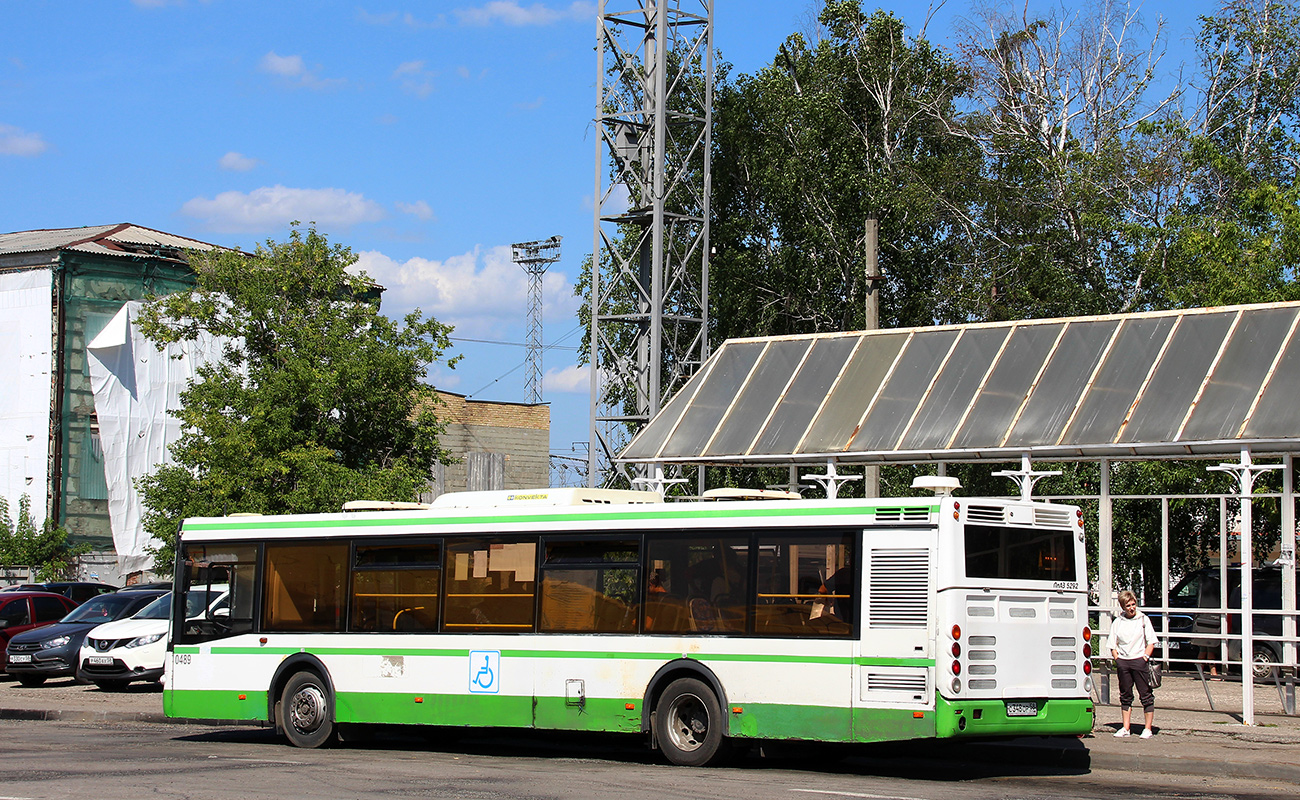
x=700, y=623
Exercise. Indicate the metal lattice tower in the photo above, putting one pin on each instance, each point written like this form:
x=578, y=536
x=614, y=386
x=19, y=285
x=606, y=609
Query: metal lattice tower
x=535, y=257
x=650, y=274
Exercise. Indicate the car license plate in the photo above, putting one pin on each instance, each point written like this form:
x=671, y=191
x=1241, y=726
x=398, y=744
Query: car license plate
x=1022, y=709
x=100, y=660
x=23, y=659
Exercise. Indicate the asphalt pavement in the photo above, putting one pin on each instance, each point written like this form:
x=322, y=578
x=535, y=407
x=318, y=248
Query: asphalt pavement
x=1199, y=728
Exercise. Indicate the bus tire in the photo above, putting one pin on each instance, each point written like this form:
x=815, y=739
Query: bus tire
x=689, y=724
x=306, y=711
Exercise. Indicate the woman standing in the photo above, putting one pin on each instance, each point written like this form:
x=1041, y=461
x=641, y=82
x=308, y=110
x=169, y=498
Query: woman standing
x=1132, y=640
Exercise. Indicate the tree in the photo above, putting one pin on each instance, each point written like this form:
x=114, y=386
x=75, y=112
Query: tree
x=1062, y=113
x=316, y=400
x=854, y=122
x=1237, y=236
x=46, y=551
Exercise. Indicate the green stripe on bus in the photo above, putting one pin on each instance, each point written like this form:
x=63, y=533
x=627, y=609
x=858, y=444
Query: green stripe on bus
x=969, y=718
x=497, y=519
x=1056, y=716
x=768, y=658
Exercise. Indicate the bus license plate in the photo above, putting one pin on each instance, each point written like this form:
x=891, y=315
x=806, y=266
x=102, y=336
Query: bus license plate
x=1022, y=709
x=100, y=660
x=23, y=659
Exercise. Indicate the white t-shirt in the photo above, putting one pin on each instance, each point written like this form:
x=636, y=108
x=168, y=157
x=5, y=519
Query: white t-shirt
x=1129, y=637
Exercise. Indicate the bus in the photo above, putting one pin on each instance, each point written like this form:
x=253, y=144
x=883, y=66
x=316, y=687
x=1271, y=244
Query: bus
x=701, y=624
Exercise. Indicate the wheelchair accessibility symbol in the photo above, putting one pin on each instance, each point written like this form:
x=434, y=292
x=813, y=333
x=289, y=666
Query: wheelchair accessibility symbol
x=484, y=671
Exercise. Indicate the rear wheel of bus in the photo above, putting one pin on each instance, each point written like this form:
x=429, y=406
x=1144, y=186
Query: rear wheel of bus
x=689, y=724
x=306, y=711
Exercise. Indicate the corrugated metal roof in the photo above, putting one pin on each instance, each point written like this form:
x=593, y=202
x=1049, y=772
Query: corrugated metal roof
x=1175, y=383
x=123, y=239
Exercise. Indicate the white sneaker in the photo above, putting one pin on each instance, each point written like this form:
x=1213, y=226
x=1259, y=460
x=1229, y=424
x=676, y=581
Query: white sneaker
x=1146, y=734
x=1121, y=733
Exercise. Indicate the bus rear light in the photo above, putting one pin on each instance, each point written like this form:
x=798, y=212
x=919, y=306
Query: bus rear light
x=1087, y=668
x=956, y=685
x=956, y=631
x=956, y=667
x=1087, y=634
x=956, y=649
x=1087, y=651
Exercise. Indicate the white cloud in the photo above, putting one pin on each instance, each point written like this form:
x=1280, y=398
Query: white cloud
x=573, y=378
x=419, y=209
x=414, y=78
x=294, y=71
x=482, y=292
x=237, y=162
x=533, y=106
x=509, y=12
x=275, y=206
x=18, y=142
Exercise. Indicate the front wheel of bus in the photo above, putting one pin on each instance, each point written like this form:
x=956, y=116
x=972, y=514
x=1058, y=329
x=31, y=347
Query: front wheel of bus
x=689, y=724
x=306, y=711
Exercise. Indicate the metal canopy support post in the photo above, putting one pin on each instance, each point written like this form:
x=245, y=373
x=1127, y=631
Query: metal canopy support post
x=831, y=480
x=1287, y=562
x=1246, y=472
x=1026, y=477
x=1105, y=568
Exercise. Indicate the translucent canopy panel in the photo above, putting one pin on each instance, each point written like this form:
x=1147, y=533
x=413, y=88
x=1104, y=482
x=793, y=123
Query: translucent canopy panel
x=1172, y=383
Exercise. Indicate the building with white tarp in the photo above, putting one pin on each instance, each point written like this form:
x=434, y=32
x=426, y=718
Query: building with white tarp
x=59, y=289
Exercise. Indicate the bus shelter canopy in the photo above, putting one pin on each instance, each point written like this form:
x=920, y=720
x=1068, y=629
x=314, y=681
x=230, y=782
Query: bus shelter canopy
x=1199, y=382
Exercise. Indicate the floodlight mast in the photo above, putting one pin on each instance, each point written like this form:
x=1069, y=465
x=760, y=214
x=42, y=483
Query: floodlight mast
x=650, y=261
x=535, y=257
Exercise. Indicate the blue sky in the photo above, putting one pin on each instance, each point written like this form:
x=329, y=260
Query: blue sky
x=426, y=136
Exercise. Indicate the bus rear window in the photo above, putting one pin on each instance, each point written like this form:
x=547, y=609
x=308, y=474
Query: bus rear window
x=1028, y=554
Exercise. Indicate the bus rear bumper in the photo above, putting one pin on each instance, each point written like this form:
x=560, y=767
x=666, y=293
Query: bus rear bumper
x=1053, y=716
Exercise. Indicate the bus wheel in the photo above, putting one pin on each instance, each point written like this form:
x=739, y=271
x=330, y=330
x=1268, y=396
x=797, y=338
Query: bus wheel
x=689, y=724
x=306, y=711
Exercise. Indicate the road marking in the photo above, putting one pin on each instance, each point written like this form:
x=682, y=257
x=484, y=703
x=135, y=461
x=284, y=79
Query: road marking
x=248, y=760
x=855, y=794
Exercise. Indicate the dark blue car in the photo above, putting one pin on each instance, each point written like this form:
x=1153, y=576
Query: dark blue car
x=51, y=651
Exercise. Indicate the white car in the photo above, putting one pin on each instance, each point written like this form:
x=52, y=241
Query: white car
x=135, y=649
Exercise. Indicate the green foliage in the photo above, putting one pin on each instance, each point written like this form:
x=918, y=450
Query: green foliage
x=317, y=399
x=46, y=551
x=830, y=133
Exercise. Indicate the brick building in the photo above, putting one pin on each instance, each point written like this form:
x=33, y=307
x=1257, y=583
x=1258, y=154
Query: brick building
x=499, y=445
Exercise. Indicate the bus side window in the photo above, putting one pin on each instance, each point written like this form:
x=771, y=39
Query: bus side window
x=304, y=588
x=395, y=586
x=589, y=586
x=805, y=585
x=489, y=586
x=702, y=584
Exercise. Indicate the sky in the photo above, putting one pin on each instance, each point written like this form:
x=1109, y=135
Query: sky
x=427, y=136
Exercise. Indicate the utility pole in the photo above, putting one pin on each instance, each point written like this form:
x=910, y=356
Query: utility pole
x=535, y=258
x=871, y=235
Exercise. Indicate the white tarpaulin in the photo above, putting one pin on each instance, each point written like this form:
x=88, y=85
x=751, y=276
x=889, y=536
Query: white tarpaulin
x=26, y=325
x=136, y=386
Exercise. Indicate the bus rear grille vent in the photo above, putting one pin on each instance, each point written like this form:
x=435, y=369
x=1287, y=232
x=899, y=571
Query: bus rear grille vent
x=983, y=683
x=1061, y=683
x=1062, y=613
x=896, y=682
x=1052, y=517
x=899, y=594
x=995, y=514
x=908, y=514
